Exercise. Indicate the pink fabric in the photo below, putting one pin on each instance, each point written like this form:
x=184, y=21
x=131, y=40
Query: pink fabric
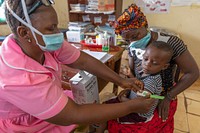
x=29, y=91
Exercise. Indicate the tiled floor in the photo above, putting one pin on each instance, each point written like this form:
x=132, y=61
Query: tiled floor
x=187, y=117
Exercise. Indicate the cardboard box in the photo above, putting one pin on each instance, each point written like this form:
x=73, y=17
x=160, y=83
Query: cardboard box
x=106, y=5
x=74, y=36
x=84, y=88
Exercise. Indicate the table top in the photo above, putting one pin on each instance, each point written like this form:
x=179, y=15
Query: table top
x=114, y=50
x=68, y=72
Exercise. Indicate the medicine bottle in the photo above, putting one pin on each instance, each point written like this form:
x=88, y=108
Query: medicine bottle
x=105, y=43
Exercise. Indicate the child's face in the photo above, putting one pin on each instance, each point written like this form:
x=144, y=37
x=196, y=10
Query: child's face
x=154, y=60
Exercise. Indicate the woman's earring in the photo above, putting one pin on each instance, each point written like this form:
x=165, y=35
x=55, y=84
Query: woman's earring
x=29, y=40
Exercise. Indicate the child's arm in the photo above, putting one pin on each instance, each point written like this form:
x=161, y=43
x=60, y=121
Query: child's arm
x=153, y=87
x=146, y=93
x=124, y=94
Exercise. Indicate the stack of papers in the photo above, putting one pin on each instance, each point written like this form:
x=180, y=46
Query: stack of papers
x=80, y=26
x=102, y=56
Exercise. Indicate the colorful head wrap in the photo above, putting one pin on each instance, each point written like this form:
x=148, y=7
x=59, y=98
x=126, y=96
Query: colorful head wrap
x=131, y=18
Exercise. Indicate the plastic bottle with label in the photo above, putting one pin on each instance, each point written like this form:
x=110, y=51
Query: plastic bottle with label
x=100, y=39
x=97, y=39
x=105, y=44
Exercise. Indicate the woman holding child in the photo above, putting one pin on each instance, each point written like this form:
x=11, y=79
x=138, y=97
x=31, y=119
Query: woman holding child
x=133, y=27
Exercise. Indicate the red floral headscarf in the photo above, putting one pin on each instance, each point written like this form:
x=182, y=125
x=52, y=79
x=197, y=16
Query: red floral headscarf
x=131, y=18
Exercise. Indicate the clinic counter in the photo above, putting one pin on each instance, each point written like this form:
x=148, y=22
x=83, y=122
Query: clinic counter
x=114, y=63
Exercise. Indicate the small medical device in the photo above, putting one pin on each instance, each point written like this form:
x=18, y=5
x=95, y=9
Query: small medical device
x=145, y=93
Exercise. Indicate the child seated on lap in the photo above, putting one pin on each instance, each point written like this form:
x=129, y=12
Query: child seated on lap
x=148, y=64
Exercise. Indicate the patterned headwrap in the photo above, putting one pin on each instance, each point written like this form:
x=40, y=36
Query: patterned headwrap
x=131, y=18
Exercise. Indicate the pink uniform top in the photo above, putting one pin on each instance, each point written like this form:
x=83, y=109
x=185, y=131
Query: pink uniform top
x=31, y=92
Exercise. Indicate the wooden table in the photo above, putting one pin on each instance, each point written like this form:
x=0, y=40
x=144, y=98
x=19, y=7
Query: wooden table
x=114, y=63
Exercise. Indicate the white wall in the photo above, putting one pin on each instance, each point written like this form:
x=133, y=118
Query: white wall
x=183, y=20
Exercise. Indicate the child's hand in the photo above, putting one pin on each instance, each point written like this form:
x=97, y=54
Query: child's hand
x=123, y=95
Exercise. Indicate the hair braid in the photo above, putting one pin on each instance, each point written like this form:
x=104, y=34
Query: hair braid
x=16, y=6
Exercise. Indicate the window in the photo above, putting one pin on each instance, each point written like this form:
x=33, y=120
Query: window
x=2, y=15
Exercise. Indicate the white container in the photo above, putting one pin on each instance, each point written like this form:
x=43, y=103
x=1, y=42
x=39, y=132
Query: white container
x=100, y=39
x=84, y=88
x=74, y=36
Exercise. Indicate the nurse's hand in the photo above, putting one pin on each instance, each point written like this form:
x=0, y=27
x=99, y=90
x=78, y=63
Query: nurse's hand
x=133, y=84
x=142, y=104
x=123, y=95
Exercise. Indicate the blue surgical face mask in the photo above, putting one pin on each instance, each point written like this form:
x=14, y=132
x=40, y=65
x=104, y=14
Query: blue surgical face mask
x=52, y=41
x=142, y=43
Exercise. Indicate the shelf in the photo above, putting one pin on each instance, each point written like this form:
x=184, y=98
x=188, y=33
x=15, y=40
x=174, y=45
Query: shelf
x=99, y=13
x=77, y=15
